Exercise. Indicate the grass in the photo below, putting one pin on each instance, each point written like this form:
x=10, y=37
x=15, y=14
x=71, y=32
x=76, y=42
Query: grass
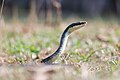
x=95, y=48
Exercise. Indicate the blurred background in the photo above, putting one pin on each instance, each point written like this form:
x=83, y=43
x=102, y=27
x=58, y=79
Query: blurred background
x=54, y=11
x=30, y=30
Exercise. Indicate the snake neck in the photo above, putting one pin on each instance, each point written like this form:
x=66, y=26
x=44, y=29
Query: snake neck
x=63, y=43
x=60, y=49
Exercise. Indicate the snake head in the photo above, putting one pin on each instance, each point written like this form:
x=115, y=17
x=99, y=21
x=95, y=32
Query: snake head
x=75, y=26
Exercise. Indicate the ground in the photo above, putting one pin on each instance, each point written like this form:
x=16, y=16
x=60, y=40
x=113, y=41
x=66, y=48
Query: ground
x=92, y=52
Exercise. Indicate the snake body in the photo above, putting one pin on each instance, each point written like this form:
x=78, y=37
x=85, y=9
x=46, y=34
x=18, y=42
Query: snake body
x=63, y=41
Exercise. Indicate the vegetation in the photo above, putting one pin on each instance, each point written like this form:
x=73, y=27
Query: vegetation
x=93, y=49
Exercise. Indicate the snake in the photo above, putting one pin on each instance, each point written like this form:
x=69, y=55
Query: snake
x=63, y=41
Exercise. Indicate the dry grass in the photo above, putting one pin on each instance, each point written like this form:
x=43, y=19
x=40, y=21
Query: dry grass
x=92, y=53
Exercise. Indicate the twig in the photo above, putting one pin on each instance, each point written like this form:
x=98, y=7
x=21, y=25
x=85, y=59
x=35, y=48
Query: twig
x=92, y=52
x=1, y=9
